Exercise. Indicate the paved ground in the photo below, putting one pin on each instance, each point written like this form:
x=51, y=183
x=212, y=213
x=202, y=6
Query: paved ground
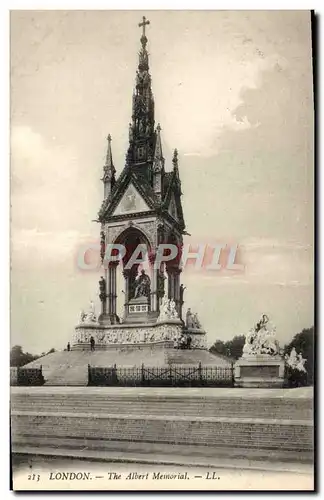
x=46, y=473
x=231, y=392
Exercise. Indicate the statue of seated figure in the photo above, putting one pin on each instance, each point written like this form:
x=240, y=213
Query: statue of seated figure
x=142, y=285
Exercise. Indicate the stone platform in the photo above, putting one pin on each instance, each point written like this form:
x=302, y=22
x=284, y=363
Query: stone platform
x=71, y=368
x=275, y=424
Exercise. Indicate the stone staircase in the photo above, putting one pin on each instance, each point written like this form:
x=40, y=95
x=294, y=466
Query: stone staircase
x=71, y=368
x=264, y=423
x=119, y=401
x=194, y=357
x=68, y=375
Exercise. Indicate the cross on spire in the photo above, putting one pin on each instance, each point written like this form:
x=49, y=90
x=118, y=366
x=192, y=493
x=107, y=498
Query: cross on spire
x=143, y=24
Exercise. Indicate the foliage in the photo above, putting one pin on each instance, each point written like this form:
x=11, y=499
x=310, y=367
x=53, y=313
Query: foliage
x=303, y=342
x=20, y=358
x=232, y=348
x=295, y=378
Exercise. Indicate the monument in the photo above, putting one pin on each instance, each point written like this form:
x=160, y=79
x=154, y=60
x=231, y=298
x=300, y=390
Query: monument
x=154, y=421
x=141, y=209
x=261, y=365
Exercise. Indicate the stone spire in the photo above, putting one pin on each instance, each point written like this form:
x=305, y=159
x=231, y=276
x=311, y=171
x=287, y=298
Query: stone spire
x=109, y=170
x=158, y=164
x=141, y=129
x=176, y=167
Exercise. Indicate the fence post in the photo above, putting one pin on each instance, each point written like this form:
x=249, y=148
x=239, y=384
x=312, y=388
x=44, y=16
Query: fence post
x=143, y=375
x=233, y=376
x=89, y=375
x=114, y=377
x=200, y=374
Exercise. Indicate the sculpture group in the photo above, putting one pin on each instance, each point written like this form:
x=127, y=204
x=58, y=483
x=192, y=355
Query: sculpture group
x=192, y=321
x=261, y=339
x=90, y=316
x=295, y=361
x=168, y=310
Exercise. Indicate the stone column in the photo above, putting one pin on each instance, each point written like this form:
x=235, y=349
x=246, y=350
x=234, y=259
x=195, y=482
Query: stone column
x=176, y=290
x=181, y=291
x=103, y=300
x=154, y=300
x=170, y=283
x=111, y=288
x=174, y=284
x=127, y=276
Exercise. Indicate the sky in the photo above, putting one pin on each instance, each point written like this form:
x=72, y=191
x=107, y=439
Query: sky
x=233, y=93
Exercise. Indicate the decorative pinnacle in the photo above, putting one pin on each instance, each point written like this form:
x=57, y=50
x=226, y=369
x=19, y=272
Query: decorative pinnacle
x=158, y=163
x=175, y=157
x=109, y=161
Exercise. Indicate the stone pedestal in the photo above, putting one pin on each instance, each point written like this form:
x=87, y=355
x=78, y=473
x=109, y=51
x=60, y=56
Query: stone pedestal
x=259, y=370
x=198, y=338
x=137, y=310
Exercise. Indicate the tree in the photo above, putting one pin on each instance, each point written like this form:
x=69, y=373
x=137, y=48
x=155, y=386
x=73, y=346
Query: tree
x=303, y=342
x=235, y=346
x=232, y=348
x=20, y=358
x=218, y=348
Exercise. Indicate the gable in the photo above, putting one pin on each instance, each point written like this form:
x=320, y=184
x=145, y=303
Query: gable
x=131, y=202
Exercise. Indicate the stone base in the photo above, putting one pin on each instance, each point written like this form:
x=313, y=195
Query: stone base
x=125, y=334
x=259, y=371
x=137, y=311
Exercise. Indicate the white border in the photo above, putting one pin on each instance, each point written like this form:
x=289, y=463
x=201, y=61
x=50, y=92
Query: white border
x=4, y=171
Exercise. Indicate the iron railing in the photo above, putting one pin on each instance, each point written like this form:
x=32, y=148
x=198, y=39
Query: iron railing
x=29, y=376
x=171, y=376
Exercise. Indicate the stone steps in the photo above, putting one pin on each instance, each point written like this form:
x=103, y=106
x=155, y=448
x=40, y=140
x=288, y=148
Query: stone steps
x=121, y=419
x=184, y=357
x=284, y=409
x=68, y=375
x=165, y=453
x=271, y=434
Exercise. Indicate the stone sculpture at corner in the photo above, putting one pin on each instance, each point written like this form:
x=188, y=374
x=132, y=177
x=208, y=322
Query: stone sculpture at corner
x=89, y=317
x=261, y=364
x=295, y=361
x=168, y=310
x=192, y=321
x=261, y=339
